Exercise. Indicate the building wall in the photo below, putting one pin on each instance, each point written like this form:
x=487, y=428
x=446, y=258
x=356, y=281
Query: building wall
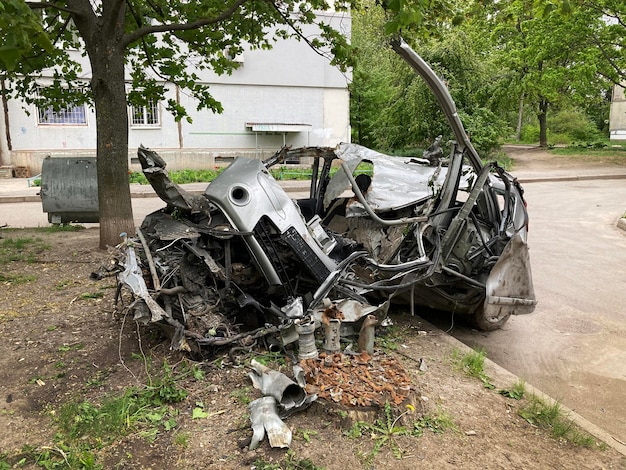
x=290, y=84
x=617, y=116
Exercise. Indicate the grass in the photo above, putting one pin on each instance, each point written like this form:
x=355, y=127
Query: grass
x=438, y=424
x=85, y=427
x=516, y=391
x=473, y=364
x=206, y=176
x=606, y=154
x=16, y=278
x=550, y=417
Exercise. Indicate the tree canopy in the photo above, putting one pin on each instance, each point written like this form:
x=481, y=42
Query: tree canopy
x=502, y=58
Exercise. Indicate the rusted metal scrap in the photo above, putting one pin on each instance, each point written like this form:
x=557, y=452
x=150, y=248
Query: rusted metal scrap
x=358, y=380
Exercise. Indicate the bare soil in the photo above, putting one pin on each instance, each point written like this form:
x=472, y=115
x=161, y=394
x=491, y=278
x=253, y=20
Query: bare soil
x=61, y=342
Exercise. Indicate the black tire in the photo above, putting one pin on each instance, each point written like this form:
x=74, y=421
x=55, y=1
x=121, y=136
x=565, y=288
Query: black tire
x=484, y=323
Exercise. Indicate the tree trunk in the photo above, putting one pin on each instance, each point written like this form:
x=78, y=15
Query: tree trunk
x=103, y=41
x=520, y=115
x=543, y=125
x=116, y=214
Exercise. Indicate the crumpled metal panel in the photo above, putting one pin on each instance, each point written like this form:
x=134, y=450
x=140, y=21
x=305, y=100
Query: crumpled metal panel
x=397, y=181
x=509, y=288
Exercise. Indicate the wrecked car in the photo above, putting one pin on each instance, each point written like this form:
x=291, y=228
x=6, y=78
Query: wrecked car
x=244, y=262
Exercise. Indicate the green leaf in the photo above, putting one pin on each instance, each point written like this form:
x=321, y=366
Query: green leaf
x=198, y=413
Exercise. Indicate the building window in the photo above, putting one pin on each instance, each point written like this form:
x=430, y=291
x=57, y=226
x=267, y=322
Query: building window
x=145, y=116
x=72, y=116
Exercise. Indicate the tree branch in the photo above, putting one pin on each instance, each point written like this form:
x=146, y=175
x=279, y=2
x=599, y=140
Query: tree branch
x=289, y=23
x=144, y=31
x=53, y=6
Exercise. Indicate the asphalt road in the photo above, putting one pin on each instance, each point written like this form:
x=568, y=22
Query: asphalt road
x=573, y=347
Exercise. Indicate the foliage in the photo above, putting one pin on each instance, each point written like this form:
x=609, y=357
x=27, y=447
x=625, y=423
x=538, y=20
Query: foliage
x=547, y=55
x=20, y=32
x=576, y=125
x=154, y=42
x=392, y=109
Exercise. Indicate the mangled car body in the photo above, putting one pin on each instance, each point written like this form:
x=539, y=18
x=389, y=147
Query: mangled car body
x=244, y=261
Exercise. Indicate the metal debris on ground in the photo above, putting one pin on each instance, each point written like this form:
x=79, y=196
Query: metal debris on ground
x=358, y=380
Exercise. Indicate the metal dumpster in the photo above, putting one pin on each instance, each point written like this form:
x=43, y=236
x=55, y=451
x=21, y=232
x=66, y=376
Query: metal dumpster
x=69, y=189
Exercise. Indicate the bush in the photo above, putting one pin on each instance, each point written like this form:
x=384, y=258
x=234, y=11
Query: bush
x=485, y=130
x=530, y=133
x=573, y=124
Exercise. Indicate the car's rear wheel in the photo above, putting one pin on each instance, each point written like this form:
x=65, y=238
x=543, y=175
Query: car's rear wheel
x=484, y=322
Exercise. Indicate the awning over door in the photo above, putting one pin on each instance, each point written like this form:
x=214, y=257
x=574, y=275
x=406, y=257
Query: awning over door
x=278, y=127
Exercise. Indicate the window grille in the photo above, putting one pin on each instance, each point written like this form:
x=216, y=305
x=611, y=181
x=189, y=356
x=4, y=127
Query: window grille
x=145, y=115
x=71, y=116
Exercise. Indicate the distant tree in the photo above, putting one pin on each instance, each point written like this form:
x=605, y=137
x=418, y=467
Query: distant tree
x=548, y=54
x=610, y=38
x=392, y=108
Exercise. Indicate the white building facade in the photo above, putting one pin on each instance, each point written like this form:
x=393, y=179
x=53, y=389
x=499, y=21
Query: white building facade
x=289, y=95
x=617, y=116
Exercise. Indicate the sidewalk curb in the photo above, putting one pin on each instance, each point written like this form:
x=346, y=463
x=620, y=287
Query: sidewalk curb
x=556, y=179
x=149, y=192
x=507, y=378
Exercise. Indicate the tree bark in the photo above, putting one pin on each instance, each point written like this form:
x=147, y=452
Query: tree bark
x=543, y=124
x=520, y=116
x=103, y=41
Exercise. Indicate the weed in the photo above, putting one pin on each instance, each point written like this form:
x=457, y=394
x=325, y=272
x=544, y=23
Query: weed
x=181, y=439
x=71, y=347
x=61, y=455
x=390, y=338
x=383, y=431
x=271, y=360
x=549, y=416
x=307, y=434
x=62, y=228
x=17, y=279
x=91, y=295
x=242, y=394
x=98, y=378
x=20, y=249
x=437, y=424
x=63, y=284
x=85, y=427
x=291, y=462
x=473, y=364
x=517, y=390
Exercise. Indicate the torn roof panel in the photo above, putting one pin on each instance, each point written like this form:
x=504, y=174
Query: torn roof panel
x=397, y=181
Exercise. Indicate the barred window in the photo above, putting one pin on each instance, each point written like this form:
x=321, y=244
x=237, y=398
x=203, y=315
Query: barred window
x=145, y=116
x=72, y=116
